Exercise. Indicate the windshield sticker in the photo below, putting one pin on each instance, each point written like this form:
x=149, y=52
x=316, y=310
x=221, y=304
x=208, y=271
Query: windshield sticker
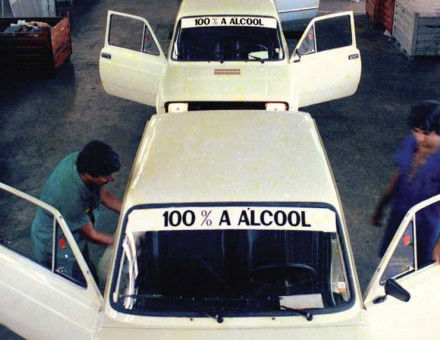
x=232, y=217
x=229, y=21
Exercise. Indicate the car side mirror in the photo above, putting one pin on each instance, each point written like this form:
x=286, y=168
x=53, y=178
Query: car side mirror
x=394, y=289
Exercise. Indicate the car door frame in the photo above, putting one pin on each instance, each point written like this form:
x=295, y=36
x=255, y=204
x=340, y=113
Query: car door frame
x=419, y=283
x=40, y=297
x=130, y=74
x=329, y=74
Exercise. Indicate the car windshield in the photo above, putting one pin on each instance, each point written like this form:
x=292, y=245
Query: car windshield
x=192, y=272
x=227, y=38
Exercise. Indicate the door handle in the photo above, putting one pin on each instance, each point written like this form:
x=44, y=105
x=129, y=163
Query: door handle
x=106, y=55
x=353, y=56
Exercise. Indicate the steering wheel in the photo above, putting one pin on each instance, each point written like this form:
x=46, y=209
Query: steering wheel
x=248, y=48
x=261, y=47
x=283, y=277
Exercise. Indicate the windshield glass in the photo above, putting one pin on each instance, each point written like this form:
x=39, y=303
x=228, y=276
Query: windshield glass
x=182, y=269
x=227, y=38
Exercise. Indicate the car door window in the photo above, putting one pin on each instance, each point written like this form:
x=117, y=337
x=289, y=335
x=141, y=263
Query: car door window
x=403, y=260
x=132, y=34
x=126, y=32
x=64, y=261
x=17, y=214
x=308, y=45
x=333, y=33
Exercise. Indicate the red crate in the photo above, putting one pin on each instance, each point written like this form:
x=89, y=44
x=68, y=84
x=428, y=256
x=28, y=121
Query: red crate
x=388, y=14
x=374, y=9
x=41, y=52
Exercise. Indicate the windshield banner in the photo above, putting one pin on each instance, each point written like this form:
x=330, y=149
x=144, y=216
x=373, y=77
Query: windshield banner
x=232, y=217
x=229, y=21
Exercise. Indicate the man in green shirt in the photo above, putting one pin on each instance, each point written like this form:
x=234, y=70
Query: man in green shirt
x=76, y=189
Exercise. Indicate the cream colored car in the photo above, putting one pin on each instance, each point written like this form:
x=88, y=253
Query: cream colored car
x=231, y=228
x=229, y=55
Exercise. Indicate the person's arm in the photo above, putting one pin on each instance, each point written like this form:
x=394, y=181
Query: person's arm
x=385, y=198
x=96, y=236
x=110, y=201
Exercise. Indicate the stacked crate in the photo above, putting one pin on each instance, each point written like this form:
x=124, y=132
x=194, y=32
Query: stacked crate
x=388, y=14
x=381, y=13
x=374, y=9
x=417, y=27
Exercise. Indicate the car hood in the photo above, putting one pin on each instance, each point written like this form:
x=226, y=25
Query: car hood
x=214, y=81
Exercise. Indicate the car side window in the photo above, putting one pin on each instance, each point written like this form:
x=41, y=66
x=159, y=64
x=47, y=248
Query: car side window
x=333, y=33
x=17, y=215
x=403, y=260
x=65, y=263
x=149, y=46
x=308, y=45
x=126, y=32
x=132, y=34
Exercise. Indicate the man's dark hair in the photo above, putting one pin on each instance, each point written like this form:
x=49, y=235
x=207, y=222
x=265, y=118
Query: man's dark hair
x=97, y=159
x=425, y=116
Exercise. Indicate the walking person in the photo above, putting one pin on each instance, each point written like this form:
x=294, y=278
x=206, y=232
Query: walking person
x=416, y=178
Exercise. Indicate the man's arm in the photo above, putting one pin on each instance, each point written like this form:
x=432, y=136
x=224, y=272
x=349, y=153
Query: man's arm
x=385, y=198
x=96, y=236
x=110, y=201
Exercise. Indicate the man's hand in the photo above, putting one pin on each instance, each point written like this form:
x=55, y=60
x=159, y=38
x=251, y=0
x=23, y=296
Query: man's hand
x=96, y=236
x=376, y=217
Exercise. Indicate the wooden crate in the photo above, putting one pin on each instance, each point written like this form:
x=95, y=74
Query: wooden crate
x=417, y=27
x=388, y=15
x=374, y=9
x=40, y=52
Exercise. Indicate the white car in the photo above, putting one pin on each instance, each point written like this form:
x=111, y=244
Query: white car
x=229, y=55
x=231, y=228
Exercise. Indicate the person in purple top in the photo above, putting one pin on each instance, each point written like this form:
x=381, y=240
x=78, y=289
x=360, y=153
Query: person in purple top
x=416, y=178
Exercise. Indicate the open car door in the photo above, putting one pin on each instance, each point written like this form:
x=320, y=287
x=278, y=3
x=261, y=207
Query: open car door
x=402, y=299
x=131, y=63
x=43, y=301
x=326, y=63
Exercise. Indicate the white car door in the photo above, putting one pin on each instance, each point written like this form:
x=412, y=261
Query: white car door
x=402, y=301
x=131, y=63
x=41, y=302
x=326, y=63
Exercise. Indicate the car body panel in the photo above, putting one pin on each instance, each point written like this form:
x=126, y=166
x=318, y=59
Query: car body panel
x=210, y=152
x=328, y=74
x=226, y=7
x=37, y=298
x=130, y=74
x=417, y=318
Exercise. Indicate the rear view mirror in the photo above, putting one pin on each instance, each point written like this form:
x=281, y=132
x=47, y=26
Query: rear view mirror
x=394, y=289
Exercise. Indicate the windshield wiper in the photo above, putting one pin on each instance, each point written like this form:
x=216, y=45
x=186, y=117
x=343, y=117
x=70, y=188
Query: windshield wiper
x=306, y=314
x=216, y=316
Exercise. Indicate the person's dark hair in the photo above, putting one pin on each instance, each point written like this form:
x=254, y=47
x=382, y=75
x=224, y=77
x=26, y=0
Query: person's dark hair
x=426, y=116
x=97, y=159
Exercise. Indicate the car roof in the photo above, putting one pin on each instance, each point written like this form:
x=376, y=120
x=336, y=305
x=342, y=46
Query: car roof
x=227, y=7
x=231, y=156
